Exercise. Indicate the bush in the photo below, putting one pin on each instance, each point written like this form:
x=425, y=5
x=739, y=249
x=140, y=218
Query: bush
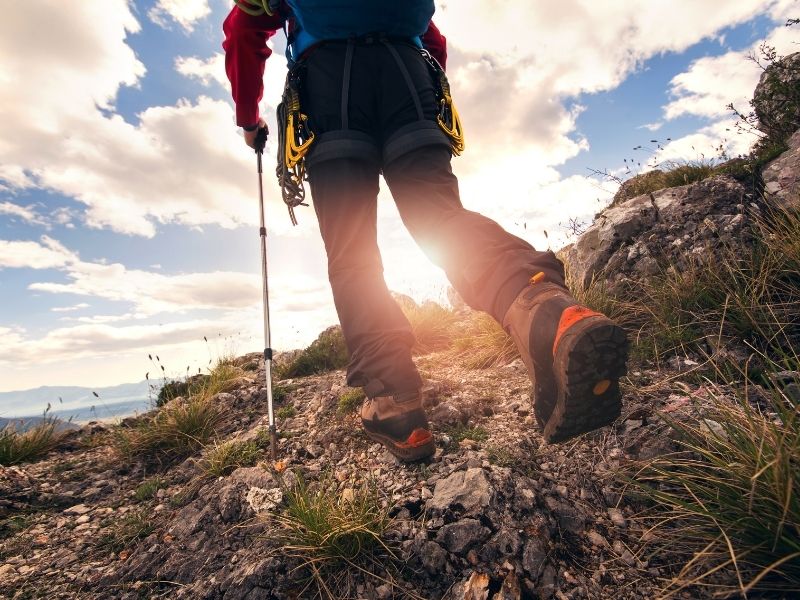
x=433, y=325
x=327, y=353
x=16, y=447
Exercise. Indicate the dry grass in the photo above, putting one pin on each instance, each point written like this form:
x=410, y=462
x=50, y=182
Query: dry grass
x=727, y=506
x=18, y=447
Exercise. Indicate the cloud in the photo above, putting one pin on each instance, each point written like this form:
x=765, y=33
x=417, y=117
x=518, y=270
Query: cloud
x=72, y=308
x=26, y=213
x=211, y=70
x=48, y=254
x=183, y=12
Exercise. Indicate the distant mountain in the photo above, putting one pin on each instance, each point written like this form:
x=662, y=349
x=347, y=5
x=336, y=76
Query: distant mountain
x=78, y=403
x=24, y=423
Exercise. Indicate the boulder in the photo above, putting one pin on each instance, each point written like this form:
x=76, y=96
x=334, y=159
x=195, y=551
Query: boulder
x=782, y=177
x=776, y=99
x=635, y=238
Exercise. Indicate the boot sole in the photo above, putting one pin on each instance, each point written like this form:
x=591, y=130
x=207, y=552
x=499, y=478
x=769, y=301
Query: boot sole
x=590, y=358
x=406, y=453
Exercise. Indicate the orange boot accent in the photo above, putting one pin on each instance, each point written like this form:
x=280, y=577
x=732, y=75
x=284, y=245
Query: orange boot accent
x=570, y=317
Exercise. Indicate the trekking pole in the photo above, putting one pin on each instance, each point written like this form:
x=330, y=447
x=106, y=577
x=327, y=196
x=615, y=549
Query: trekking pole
x=261, y=140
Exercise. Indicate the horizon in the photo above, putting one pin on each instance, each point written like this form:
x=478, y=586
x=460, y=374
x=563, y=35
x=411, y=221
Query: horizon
x=128, y=201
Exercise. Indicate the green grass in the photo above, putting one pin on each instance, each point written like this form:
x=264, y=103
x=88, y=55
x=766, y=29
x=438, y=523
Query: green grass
x=222, y=459
x=350, y=401
x=125, y=531
x=327, y=353
x=18, y=447
x=147, y=489
x=727, y=505
x=335, y=537
x=459, y=433
x=286, y=412
x=175, y=431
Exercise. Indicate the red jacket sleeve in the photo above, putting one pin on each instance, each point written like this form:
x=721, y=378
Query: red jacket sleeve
x=436, y=44
x=246, y=51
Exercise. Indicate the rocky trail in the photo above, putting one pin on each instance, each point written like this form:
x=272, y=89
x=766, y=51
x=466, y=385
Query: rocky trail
x=496, y=511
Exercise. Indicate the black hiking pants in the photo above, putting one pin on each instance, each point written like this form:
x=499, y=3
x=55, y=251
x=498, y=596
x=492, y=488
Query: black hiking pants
x=372, y=105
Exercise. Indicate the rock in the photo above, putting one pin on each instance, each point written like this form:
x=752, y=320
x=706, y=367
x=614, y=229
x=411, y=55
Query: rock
x=433, y=557
x=617, y=518
x=467, y=491
x=775, y=99
x=627, y=240
x=7, y=570
x=534, y=557
x=78, y=509
x=462, y=535
x=261, y=500
x=782, y=177
x=510, y=589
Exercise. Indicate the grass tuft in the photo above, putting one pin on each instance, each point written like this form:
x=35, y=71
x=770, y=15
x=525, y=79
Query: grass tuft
x=223, y=459
x=147, y=490
x=482, y=343
x=126, y=531
x=18, y=447
x=728, y=504
x=327, y=353
x=335, y=536
x=175, y=431
x=350, y=401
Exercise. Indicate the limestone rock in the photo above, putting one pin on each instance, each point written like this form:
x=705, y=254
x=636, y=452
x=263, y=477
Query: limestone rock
x=776, y=100
x=782, y=176
x=462, y=535
x=468, y=491
x=628, y=241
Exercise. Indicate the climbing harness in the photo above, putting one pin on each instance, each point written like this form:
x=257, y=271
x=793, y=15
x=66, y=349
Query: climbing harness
x=448, y=119
x=294, y=139
x=258, y=7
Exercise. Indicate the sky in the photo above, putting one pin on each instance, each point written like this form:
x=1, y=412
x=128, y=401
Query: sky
x=129, y=202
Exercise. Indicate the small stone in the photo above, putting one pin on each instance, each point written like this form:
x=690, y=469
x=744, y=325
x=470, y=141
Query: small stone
x=617, y=518
x=78, y=509
x=384, y=591
x=7, y=570
x=83, y=519
x=468, y=490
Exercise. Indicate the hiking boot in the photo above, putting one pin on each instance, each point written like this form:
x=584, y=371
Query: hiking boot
x=399, y=423
x=575, y=357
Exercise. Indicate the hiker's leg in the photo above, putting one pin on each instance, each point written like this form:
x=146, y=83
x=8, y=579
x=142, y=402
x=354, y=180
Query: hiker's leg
x=486, y=265
x=377, y=333
x=343, y=167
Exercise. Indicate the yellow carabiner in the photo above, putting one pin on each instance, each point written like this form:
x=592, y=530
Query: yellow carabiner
x=294, y=153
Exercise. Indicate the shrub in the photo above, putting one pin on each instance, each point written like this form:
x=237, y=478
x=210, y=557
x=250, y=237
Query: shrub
x=222, y=459
x=286, y=412
x=335, y=535
x=18, y=447
x=327, y=353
